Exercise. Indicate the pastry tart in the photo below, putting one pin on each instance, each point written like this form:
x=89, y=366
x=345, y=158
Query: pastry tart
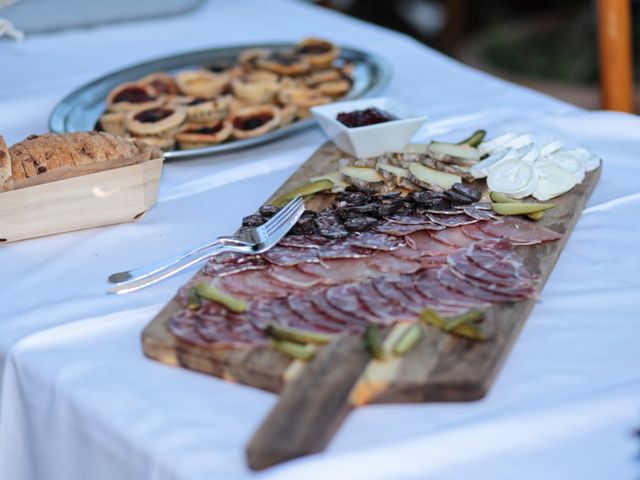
x=256, y=87
x=113, y=122
x=163, y=143
x=250, y=57
x=198, y=135
x=5, y=161
x=255, y=121
x=201, y=83
x=160, y=84
x=303, y=99
x=159, y=122
x=207, y=110
x=284, y=63
x=318, y=52
x=129, y=97
x=287, y=115
x=334, y=88
x=317, y=77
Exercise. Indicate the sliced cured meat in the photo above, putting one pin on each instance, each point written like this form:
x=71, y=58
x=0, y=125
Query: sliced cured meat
x=400, y=230
x=410, y=219
x=289, y=256
x=183, y=325
x=519, y=231
x=433, y=260
x=293, y=277
x=422, y=295
x=407, y=252
x=235, y=265
x=253, y=285
x=461, y=263
x=451, y=281
x=226, y=329
x=390, y=292
x=427, y=282
x=376, y=241
x=478, y=213
x=497, y=257
x=343, y=248
x=387, y=310
x=319, y=299
x=284, y=314
x=474, y=232
x=337, y=271
x=453, y=237
x=425, y=243
x=345, y=298
x=388, y=263
x=319, y=320
x=302, y=241
x=451, y=220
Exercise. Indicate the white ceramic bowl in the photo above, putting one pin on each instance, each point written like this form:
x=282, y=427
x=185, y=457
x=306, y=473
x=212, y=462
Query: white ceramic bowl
x=370, y=140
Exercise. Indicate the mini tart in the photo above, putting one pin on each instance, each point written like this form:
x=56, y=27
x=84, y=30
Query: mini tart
x=201, y=110
x=317, y=77
x=199, y=135
x=284, y=63
x=158, y=122
x=160, y=83
x=201, y=83
x=250, y=57
x=303, y=99
x=113, y=123
x=256, y=87
x=334, y=88
x=288, y=115
x=163, y=143
x=318, y=52
x=255, y=121
x=129, y=97
x=238, y=104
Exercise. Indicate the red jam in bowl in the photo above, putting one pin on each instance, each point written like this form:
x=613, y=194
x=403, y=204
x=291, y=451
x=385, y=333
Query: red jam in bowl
x=362, y=118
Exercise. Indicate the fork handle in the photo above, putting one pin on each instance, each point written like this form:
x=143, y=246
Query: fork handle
x=139, y=283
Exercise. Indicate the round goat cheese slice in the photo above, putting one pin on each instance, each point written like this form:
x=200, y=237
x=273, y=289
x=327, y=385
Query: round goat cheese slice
x=569, y=163
x=552, y=181
x=513, y=177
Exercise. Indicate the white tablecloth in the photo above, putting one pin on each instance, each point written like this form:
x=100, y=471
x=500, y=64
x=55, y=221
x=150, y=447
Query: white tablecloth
x=78, y=400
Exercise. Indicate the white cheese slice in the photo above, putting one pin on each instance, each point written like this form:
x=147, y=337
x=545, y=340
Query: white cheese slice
x=591, y=160
x=513, y=177
x=482, y=168
x=441, y=151
x=421, y=148
x=569, y=163
x=519, y=141
x=550, y=147
x=495, y=144
x=552, y=181
x=528, y=154
x=335, y=177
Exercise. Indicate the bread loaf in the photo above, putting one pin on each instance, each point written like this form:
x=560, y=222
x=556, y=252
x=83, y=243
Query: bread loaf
x=38, y=154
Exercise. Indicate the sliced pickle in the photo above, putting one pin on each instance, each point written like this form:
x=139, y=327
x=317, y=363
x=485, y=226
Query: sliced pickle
x=297, y=335
x=498, y=197
x=208, y=291
x=520, y=208
x=294, y=350
x=471, y=316
x=408, y=340
x=193, y=301
x=373, y=340
x=466, y=330
x=535, y=216
x=303, y=190
x=474, y=139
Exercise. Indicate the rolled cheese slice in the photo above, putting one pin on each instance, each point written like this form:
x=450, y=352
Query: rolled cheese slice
x=552, y=181
x=482, y=168
x=513, y=177
x=569, y=163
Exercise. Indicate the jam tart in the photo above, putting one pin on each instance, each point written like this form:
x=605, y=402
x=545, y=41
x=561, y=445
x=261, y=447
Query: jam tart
x=201, y=110
x=317, y=77
x=255, y=121
x=287, y=115
x=256, y=87
x=160, y=83
x=129, y=97
x=303, y=99
x=159, y=122
x=334, y=88
x=250, y=57
x=113, y=123
x=201, y=83
x=318, y=52
x=163, y=143
x=199, y=135
x=284, y=63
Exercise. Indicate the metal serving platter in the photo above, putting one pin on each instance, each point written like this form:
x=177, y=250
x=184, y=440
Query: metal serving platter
x=80, y=110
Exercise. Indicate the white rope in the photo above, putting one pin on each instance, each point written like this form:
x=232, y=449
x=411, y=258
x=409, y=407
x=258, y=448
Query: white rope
x=6, y=27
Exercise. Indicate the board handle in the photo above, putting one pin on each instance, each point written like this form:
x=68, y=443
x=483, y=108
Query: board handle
x=312, y=407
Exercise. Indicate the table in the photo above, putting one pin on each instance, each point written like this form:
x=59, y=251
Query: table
x=78, y=400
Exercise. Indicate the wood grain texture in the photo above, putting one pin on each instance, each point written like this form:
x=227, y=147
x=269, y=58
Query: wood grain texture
x=442, y=367
x=106, y=197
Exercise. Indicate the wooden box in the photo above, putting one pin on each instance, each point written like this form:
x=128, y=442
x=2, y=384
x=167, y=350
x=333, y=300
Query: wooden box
x=70, y=199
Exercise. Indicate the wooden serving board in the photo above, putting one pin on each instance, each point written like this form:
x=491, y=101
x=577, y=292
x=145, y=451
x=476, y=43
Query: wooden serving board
x=316, y=397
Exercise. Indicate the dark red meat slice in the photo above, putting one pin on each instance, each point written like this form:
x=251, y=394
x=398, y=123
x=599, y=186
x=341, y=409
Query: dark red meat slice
x=433, y=260
x=453, y=237
x=421, y=293
x=447, y=278
x=451, y=220
x=386, y=309
x=407, y=252
x=318, y=320
x=474, y=232
x=387, y=263
x=460, y=262
x=389, y=290
x=376, y=241
x=519, y=231
x=319, y=299
x=427, y=282
x=409, y=219
x=253, y=285
x=183, y=325
x=342, y=248
x=337, y=271
x=496, y=257
x=345, y=298
x=289, y=256
x=285, y=315
x=302, y=241
x=400, y=230
x=236, y=265
x=478, y=213
x=425, y=243
x=293, y=277
x=227, y=329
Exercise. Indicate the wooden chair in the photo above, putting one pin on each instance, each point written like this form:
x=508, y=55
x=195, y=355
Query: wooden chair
x=616, y=70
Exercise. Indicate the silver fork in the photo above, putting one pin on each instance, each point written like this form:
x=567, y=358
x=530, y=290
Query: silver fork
x=251, y=241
